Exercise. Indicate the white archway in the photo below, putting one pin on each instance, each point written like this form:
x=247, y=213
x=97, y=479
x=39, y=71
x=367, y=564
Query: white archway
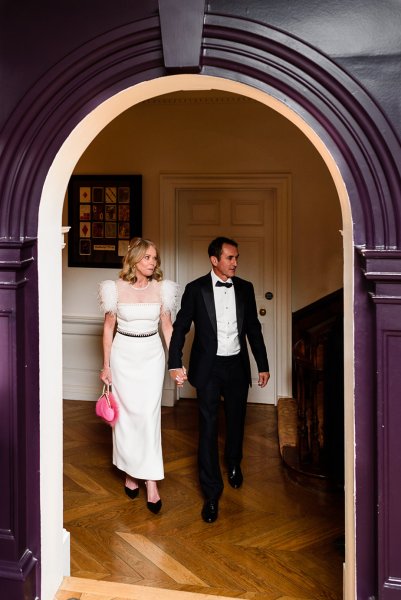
x=50, y=307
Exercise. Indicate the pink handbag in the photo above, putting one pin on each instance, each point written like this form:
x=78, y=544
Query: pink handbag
x=106, y=406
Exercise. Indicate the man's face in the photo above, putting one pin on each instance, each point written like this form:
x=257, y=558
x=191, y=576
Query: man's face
x=225, y=266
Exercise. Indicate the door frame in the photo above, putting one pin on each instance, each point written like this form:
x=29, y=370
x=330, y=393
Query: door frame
x=171, y=183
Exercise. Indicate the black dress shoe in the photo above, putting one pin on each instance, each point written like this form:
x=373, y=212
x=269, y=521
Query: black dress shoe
x=210, y=510
x=154, y=507
x=235, y=477
x=131, y=493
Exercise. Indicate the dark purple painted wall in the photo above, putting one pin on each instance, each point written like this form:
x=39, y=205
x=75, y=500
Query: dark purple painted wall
x=60, y=60
x=35, y=36
x=362, y=36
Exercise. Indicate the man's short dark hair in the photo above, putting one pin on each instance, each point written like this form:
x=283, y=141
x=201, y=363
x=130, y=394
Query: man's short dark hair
x=216, y=246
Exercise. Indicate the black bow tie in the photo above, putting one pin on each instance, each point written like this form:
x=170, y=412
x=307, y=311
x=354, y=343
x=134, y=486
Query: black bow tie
x=223, y=284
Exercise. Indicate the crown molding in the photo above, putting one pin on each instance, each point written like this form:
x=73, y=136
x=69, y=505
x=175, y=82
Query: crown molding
x=188, y=99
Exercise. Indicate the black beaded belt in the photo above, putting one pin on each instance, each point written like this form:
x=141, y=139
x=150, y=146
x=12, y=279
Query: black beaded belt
x=136, y=334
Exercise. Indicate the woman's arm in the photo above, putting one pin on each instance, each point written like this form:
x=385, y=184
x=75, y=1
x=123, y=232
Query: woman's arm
x=108, y=333
x=167, y=327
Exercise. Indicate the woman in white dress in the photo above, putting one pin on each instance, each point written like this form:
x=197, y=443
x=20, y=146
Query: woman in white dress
x=134, y=363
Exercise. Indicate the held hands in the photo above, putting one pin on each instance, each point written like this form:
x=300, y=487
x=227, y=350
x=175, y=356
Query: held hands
x=105, y=375
x=179, y=376
x=263, y=379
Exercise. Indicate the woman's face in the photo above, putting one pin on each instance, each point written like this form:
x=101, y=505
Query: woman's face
x=148, y=263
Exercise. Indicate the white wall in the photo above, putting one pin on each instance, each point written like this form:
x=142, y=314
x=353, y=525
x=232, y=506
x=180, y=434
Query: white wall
x=196, y=132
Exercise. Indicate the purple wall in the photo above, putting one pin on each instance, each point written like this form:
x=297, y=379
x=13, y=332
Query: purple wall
x=64, y=68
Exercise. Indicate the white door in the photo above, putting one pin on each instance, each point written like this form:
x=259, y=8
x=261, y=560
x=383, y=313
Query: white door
x=248, y=216
x=253, y=209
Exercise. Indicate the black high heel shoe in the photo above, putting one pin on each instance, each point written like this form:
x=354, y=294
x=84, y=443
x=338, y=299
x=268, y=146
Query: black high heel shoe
x=131, y=493
x=154, y=507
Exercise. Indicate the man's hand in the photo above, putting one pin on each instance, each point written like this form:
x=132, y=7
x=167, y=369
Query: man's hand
x=263, y=379
x=179, y=376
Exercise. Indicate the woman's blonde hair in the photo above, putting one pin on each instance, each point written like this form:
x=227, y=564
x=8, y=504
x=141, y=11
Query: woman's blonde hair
x=136, y=251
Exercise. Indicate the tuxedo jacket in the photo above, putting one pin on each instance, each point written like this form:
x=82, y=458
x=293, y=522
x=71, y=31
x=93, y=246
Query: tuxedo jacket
x=197, y=306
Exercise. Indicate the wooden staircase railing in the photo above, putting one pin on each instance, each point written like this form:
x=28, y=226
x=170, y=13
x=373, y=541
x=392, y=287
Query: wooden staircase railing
x=317, y=455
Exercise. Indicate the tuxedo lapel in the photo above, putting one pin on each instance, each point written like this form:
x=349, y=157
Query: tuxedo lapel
x=207, y=293
x=239, y=304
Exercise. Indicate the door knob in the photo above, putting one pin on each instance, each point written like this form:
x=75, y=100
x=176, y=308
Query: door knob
x=262, y=312
x=269, y=295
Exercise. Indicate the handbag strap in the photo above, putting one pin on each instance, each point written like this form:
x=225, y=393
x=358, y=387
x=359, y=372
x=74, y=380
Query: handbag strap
x=106, y=392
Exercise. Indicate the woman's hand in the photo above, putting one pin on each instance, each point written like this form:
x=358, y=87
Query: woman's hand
x=105, y=375
x=179, y=376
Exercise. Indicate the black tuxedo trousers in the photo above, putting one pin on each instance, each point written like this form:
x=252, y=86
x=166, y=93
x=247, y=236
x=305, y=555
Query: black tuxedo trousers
x=228, y=381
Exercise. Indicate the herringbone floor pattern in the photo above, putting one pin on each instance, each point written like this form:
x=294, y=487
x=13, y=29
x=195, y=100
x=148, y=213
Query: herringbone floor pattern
x=273, y=540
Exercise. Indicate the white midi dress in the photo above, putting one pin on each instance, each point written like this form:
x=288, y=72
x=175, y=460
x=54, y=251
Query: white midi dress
x=137, y=368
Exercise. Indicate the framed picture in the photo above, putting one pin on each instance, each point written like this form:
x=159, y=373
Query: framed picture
x=105, y=212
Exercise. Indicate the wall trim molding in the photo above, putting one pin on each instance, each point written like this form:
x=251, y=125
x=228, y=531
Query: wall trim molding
x=186, y=98
x=82, y=360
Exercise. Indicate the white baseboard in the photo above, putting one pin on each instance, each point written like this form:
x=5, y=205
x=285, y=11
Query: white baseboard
x=91, y=394
x=168, y=397
x=81, y=391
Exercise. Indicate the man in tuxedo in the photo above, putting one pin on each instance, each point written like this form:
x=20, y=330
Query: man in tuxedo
x=223, y=310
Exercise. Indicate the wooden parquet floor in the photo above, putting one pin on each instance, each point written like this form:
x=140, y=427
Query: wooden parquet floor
x=273, y=539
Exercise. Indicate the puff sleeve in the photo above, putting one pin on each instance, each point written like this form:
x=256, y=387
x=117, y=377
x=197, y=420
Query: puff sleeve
x=107, y=296
x=170, y=297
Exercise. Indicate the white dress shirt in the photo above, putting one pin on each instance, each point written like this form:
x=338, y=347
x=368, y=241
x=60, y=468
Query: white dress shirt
x=226, y=316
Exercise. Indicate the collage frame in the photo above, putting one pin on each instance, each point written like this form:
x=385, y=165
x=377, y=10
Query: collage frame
x=105, y=212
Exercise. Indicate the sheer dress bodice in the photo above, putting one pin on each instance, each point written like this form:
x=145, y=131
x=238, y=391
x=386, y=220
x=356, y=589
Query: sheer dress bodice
x=138, y=310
